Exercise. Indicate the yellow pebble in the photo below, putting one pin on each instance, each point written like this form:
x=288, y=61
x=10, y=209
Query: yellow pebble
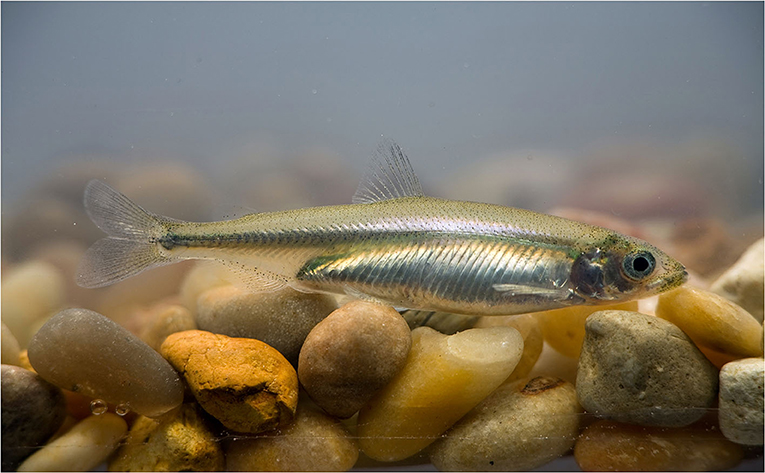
x=563, y=329
x=529, y=328
x=712, y=322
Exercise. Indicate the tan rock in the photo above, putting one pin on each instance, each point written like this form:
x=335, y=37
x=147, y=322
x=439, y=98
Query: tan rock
x=741, y=401
x=712, y=321
x=444, y=377
x=244, y=383
x=612, y=446
x=528, y=326
x=177, y=441
x=203, y=275
x=165, y=319
x=744, y=282
x=10, y=347
x=351, y=354
x=82, y=448
x=520, y=426
x=313, y=442
x=563, y=328
x=444, y=322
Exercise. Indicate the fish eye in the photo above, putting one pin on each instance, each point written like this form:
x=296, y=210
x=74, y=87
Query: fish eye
x=638, y=265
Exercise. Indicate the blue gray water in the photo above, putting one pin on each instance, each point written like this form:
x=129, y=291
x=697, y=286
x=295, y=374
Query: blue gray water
x=557, y=91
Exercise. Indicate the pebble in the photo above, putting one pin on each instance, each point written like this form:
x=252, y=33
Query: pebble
x=641, y=369
x=444, y=322
x=165, y=319
x=204, y=275
x=563, y=328
x=744, y=282
x=552, y=363
x=528, y=326
x=32, y=411
x=351, y=354
x=82, y=448
x=10, y=347
x=83, y=351
x=444, y=377
x=281, y=319
x=612, y=446
x=741, y=401
x=712, y=321
x=30, y=292
x=313, y=442
x=177, y=441
x=520, y=426
x=244, y=383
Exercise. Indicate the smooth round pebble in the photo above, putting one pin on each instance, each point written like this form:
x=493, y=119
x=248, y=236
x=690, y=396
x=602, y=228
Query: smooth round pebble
x=712, y=321
x=30, y=292
x=520, y=426
x=166, y=319
x=744, y=282
x=10, y=347
x=641, y=369
x=203, y=276
x=32, y=411
x=313, y=442
x=83, y=351
x=444, y=377
x=444, y=322
x=82, y=448
x=351, y=354
x=177, y=441
x=563, y=329
x=612, y=446
x=281, y=319
x=741, y=401
x=528, y=326
x=244, y=383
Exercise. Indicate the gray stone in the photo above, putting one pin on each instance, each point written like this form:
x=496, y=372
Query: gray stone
x=281, y=319
x=85, y=352
x=32, y=411
x=641, y=369
x=744, y=282
x=520, y=426
x=741, y=401
x=351, y=354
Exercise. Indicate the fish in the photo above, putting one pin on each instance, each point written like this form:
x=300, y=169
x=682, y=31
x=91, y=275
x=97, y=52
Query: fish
x=391, y=245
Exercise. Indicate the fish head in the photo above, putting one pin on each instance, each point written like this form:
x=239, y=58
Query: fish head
x=624, y=268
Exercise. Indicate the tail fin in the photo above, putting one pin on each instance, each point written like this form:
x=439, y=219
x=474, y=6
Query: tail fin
x=131, y=246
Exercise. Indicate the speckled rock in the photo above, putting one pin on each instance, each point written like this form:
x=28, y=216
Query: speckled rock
x=281, y=319
x=82, y=448
x=641, y=369
x=244, y=383
x=612, y=446
x=177, y=441
x=443, y=378
x=519, y=427
x=313, y=442
x=10, y=347
x=351, y=354
x=741, y=401
x=563, y=329
x=85, y=352
x=166, y=319
x=528, y=326
x=744, y=282
x=712, y=321
x=30, y=293
x=32, y=411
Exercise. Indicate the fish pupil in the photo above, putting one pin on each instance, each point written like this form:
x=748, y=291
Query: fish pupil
x=640, y=264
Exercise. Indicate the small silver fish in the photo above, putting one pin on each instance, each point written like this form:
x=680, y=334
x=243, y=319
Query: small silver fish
x=392, y=245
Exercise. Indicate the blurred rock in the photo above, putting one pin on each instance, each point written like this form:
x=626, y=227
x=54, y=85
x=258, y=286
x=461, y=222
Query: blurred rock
x=744, y=282
x=10, y=348
x=705, y=246
x=165, y=319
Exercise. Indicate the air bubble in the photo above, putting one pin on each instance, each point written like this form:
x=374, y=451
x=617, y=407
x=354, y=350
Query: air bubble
x=98, y=407
x=122, y=409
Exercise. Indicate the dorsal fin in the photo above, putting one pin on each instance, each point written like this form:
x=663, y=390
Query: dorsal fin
x=389, y=176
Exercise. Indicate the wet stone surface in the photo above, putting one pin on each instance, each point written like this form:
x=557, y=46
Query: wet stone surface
x=83, y=351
